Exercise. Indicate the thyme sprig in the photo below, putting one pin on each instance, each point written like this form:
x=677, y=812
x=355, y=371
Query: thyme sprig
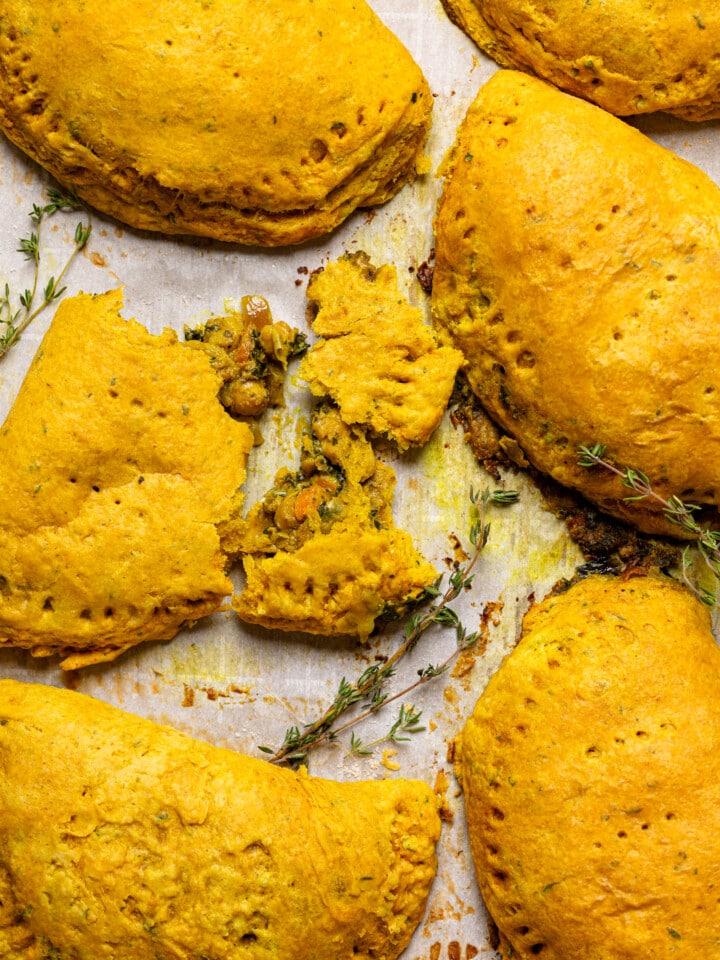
x=408, y=721
x=674, y=509
x=370, y=687
x=13, y=320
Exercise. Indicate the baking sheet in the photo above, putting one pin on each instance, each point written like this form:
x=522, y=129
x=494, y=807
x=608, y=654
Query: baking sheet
x=240, y=686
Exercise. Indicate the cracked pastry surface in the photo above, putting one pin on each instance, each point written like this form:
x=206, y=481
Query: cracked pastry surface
x=118, y=465
x=577, y=269
x=589, y=773
x=156, y=844
x=377, y=359
x=628, y=56
x=321, y=551
x=173, y=116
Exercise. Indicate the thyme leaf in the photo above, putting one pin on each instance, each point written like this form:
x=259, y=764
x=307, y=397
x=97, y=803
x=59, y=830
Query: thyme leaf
x=674, y=509
x=369, y=688
x=14, y=320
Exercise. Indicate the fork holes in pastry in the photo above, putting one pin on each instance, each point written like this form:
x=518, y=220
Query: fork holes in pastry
x=318, y=150
x=618, y=335
x=669, y=816
x=523, y=931
x=468, y=233
x=48, y=604
x=537, y=948
x=137, y=402
x=109, y=612
x=86, y=614
x=113, y=393
x=500, y=875
x=497, y=813
x=622, y=834
x=526, y=360
x=513, y=336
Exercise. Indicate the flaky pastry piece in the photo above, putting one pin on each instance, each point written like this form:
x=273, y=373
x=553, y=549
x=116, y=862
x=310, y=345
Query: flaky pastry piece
x=118, y=465
x=576, y=267
x=628, y=56
x=124, y=840
x=590, y=775
x=377, y=359
x=254, y=123
x=321, y=551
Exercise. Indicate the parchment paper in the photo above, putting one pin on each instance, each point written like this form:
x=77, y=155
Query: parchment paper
x=240, y=686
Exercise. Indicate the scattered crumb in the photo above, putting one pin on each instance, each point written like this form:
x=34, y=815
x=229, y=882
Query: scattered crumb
x=387, y=762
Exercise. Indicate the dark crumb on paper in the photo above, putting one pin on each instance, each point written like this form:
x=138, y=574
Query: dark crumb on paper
x=425, y=274
x=71, y=679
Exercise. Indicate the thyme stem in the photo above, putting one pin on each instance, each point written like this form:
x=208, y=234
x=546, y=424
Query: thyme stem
x=674, y=509
x=369, y=687
x=12, y=324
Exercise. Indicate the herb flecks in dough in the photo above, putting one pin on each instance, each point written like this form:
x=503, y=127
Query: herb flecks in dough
x=377, y=359
x=120, y=469
x=321, y=552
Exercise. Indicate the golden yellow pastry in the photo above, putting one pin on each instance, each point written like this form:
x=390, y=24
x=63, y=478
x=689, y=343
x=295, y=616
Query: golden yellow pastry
x=321, y=551
x=377, y=359
x=628, y=56
x=590, y=770
x=577, y=270
x=127, y=840
x=256, y=123
x=118, y=466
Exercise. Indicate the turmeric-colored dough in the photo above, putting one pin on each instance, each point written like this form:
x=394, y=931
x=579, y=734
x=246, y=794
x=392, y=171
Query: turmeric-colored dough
x=628, y=56
x=590, y=770
x=118, y=464
x=124, y=840
x=577, y=268
x=377, y=359
x=255, y=123
x=321, y=551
